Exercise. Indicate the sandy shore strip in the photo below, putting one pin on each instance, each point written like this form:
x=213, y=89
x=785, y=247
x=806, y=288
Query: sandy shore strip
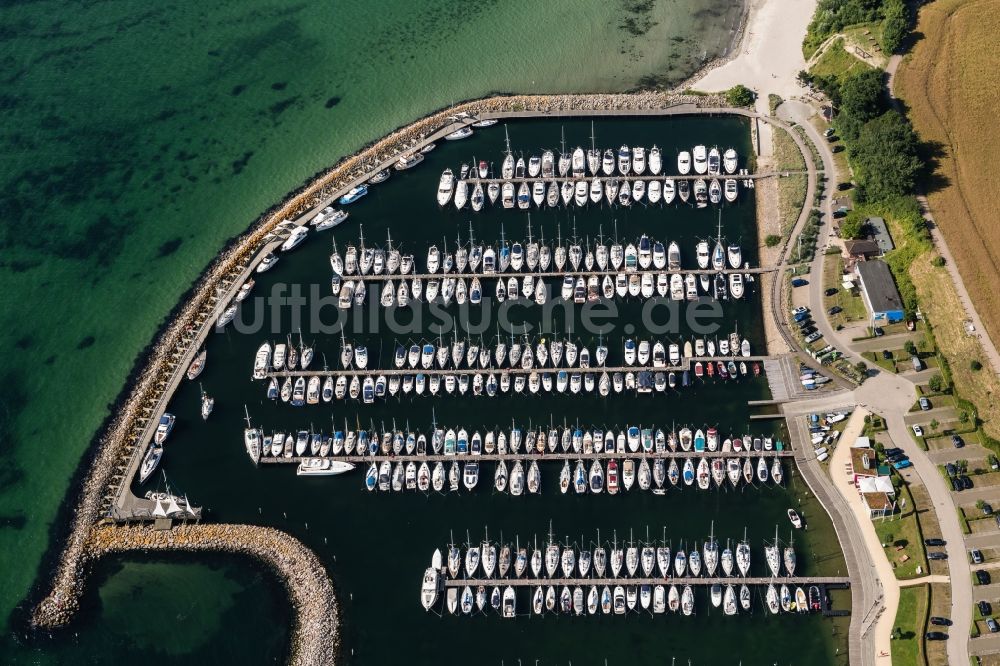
x=315, y=639
x=770, y=52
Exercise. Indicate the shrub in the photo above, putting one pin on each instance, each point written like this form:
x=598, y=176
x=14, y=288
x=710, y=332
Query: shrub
x=938, y=261
x=772, y=240
x=740, y=95
x=852, y=226
x=935, y=383
x=910, y=348
x=975, y=365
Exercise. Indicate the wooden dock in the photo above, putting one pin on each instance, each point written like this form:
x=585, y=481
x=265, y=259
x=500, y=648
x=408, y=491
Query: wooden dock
x=630, y=178
x=678, y=580
x=553, y=274
x=526, y=456
x=371, y=372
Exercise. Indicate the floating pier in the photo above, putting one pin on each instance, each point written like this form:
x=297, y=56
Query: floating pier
x=684, y=365
x=371, y=277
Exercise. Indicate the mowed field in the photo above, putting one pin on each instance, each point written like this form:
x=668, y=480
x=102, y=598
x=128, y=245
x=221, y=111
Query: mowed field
x=950, y=83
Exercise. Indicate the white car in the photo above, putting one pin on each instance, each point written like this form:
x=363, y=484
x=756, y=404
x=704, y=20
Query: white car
x=813, y=337
x=800, y=310
x=918, y=431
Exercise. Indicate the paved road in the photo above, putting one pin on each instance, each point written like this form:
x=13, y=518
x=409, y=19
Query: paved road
x=951, y=454
x=890, y=342
x=921, y=417
x=892, y=396
x=985, y=644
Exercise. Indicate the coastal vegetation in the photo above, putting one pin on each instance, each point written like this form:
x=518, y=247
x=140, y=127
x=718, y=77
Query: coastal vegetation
x=889, y=19
x=739, y=95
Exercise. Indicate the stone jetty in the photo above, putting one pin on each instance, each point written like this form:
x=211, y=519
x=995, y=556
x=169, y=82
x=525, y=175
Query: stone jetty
x=91, y=530
x=315, y=638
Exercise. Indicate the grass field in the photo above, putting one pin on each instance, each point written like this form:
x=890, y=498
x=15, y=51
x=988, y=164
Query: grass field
x=838, y=62
x=908, y=629
x=949, y=83
x=903, y=530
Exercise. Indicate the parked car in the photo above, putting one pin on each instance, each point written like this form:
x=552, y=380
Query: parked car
x=902, y=464
x=886, y=355
x=937, y=555
x=994, y=463
x=918, y=365
x=878, y=331
x=836, y=309
x=897, y=457
x=813, y=337
x=983, y=577
x=808, y=330
x=802, y=323
x=934, y=542
x=832, y=291
x=936, y=636
x=951, y=469
x=800, y=310
x=828, y=133
x=966, y=482
x=940, y=621
x=976, y=555
x=996, y=517
x=918, y=431
x=956, y=484
x=985, y=608
x=992, y=625
x=957, y=441
x=925, y=404
x=893, y=451
x=987, y=509
x=799, y=282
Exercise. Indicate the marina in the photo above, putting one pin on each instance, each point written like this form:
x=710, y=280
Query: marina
x=708, y=402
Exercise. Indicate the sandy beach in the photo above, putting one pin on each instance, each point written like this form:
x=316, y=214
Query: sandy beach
x=770, y=51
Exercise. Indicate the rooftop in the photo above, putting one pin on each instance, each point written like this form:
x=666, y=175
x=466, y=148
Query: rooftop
x=879, y=233
x=876, y=279
x=863, y=461
x=863, y=247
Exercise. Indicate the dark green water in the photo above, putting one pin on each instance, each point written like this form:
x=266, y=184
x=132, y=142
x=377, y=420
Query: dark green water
x=377, y=544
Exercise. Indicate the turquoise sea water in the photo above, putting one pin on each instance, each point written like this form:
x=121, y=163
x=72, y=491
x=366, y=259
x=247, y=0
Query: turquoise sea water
x=139, y=137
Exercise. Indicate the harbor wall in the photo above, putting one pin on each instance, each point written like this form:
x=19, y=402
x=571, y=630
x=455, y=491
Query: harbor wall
x=116, y=451
x=314, y=635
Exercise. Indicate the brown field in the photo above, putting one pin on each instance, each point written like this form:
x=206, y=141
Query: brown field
x=949, y=83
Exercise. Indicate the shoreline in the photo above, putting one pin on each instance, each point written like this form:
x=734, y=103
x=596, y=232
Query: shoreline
x=73, y=545
x=101, y=471
x=167, y=357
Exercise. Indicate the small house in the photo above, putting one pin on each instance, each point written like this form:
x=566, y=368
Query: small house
x=878, y=289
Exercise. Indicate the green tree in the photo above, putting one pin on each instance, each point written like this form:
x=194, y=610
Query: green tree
x=740, y=95
x=884, y=157
x=862, y=98
x=934, y=424
x=852, y=226
x=910, y=348
x=895, y=25
x=935, y=383
x=772, y=240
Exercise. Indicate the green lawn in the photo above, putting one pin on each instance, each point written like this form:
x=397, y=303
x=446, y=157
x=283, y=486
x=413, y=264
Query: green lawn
x=838, y=62
x=903, y=531
x=853, y=306
x=908, y=629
